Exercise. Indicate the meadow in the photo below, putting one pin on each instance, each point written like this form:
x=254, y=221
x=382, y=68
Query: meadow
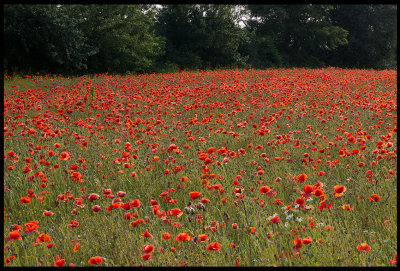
x=277, y=167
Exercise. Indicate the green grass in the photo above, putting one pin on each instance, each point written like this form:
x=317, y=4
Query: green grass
x=259, y=94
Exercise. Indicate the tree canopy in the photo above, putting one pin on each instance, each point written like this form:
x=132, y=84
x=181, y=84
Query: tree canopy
x=77, y=39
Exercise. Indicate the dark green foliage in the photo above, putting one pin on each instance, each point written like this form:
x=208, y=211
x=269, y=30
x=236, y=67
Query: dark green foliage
x=297, y=35
x=43, y=38
x=78, y=39
x=123, y=37
x=201, y=36
x=372, y=36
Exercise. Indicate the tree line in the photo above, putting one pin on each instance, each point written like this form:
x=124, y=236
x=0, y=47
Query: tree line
x=78, y=39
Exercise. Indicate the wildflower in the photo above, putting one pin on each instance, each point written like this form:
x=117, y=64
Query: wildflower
x=25, y=200
x=73, y=224
x=297, y=243
x=14, y=235
x=395, y=259
x=121, y=194
x=43, y=238
x=345, y=207
x=165, y=236
x=146, y=234
x=203, y=237
x=183, y=237
x=146, y=256
x=9, y=259
x=148, y=248
x=363, y=247
x=175, y=212
x=214, y=246
x=299, y=202
x=275, y=219
x=264, y=189
x=301, y=178
x=306, y=240
x=95, y=260
x=369, y=174
x=195, y=195
x=48, y=213
x=374, y=198
x=65, y=156
x=339, y=189
x=329, y=227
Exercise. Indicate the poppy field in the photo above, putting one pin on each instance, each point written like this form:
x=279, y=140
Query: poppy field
x=277, y=167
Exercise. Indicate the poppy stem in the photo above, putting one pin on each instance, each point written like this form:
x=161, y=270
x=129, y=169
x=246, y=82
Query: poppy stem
x=247, y=226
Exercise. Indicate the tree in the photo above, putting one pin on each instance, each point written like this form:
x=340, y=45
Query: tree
x=43, y=38
x=297, y=35
x=200, y=36
x=372, y=36
x=123, y=36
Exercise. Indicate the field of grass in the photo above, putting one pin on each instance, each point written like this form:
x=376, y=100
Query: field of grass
x=280, y=167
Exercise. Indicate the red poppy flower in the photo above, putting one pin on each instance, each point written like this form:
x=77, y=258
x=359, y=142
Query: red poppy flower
x=214, y=246
x=59, y=262
x=183, y=237
x=73, y=224
x=308, y=189
x=165, y=236
x=10, y=259
x=297, y=243
x=163, y=194
x=301, y=178
x=31, y=226
x=264, y=189
x=203, y=237
x=146, y=257
x=146, y=234
x=395, y=259
x=175, y=212
x=184, y=179
x=195, y=195
x=44, y=238
x=318, y=192
x=65, y=156
x=363, y=247
x=96, y=208
x=135, y=203
x=306, y=240
x=26, y=200
x=339, y=189
x=300, y=201
x=275, y=219
x=148, y=248
x=374, y=198
x=345, y=207
x=14, y=235
x=121, y=194
x=95, y=260
x=48, y=213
